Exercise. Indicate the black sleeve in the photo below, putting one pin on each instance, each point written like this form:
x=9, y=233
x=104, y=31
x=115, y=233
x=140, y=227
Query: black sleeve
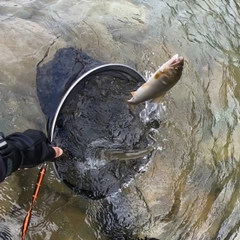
x=2, y=170
x=26, y=150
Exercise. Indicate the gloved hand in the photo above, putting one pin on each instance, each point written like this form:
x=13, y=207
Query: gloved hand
x=27, y=149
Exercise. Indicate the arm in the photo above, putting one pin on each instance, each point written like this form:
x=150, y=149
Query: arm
x=2, y=170
x=25, y=150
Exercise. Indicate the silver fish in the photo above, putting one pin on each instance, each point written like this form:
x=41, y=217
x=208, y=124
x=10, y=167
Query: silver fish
x=160, y=82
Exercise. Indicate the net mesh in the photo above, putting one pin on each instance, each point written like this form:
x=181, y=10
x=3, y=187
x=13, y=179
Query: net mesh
x=105, y=144
x=99, y=134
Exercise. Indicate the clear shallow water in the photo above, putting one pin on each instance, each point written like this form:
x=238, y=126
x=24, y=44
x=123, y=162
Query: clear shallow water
x=191, y=188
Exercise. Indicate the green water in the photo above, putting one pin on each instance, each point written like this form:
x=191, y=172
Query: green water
x=191, y=188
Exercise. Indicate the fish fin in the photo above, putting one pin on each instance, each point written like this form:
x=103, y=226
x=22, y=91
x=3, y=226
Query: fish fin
x=157, y=75
x=130, y=106
x=151, y=76
x=158, y=99
x=132, y=93
x=145, y=85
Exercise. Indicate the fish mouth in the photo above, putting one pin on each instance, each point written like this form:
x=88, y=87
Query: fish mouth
x=176, y=60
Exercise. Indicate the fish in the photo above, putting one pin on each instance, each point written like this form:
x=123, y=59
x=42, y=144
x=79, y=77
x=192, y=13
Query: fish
x=159, y=83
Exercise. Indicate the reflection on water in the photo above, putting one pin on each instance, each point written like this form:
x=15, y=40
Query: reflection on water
x=191, y=188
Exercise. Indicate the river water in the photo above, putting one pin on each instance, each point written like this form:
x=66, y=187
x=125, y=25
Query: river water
x=191, y=188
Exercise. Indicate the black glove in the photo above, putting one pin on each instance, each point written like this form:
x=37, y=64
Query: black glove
x=26, y=150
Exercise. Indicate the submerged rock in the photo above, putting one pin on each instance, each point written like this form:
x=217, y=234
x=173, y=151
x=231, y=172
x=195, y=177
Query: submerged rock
x=23, y=45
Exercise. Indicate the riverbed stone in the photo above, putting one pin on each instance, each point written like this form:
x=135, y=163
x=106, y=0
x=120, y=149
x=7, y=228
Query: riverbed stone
x=23, y=45
x=107, y=31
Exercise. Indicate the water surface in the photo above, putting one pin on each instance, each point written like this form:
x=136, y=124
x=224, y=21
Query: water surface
x=191, y=188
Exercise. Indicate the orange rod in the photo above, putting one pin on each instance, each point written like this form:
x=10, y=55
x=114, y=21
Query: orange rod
x=34, y=197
